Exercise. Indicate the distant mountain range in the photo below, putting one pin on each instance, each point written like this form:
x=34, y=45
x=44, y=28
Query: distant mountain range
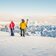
x=48, y=20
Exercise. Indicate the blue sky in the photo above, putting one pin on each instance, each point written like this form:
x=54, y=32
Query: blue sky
x=28, y=7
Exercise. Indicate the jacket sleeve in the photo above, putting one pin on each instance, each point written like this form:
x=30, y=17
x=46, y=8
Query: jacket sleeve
x=14, y=24
x=20, y=25
x=26, y=24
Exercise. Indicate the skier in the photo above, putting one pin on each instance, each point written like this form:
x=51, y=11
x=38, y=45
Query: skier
x=11, y=26
x=23, y=26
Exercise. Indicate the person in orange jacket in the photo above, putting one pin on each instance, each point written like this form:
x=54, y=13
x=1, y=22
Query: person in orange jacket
x=11, y=26
x=23, y=26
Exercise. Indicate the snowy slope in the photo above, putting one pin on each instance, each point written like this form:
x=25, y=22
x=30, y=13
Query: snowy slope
x=26, y=46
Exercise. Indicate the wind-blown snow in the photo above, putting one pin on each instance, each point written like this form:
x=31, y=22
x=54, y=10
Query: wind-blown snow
x=26, y=46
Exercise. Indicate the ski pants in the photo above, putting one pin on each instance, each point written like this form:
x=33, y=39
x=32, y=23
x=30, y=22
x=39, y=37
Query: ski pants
x=12, y=32
x=22, y=32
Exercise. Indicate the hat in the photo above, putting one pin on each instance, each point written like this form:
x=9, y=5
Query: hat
x=23, y=20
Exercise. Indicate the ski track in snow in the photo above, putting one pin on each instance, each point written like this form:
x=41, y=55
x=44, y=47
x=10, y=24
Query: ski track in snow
x=26, y=46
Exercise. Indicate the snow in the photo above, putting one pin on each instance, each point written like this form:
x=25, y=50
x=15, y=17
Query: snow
x=26, y=46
